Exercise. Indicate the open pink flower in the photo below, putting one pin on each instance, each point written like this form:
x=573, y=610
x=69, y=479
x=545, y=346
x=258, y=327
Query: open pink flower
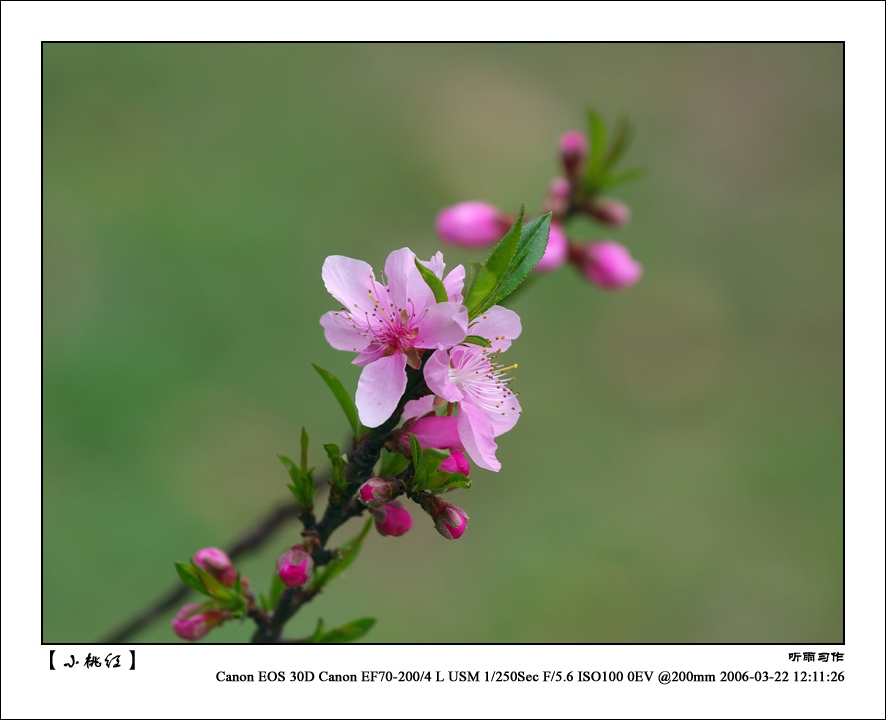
x=389, y=324
x=472, y=376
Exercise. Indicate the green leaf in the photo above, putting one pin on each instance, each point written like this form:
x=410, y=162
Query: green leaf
x=509, y=264
x=347, y=554
x=304, y=450
x=318, y=632
x=302, y=487
x=415, y=448
x=427, y=467
x=277, y=588
x=443, y=481
x=477, y=340
x=346, y=633
x=337, y=477
x=227, y=598
x=624, y=177
x=190, y=578
x=620, y=142
x=433, y=282
x=392, y=463
x=344, y=399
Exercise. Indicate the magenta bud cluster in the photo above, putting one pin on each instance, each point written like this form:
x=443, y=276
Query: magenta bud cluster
x=604, y=263
x=295, y=566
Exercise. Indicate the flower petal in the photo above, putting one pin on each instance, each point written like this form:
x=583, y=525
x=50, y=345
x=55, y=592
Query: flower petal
x=499, y=326
x=370, y=354
x=418, y=408
x=476, y=435
x=408, y=289
x=380, y=388
x=442, y=326
x=505, y=417
x=343, y=333
x=350, y=282
x=435, y=264
x=437, y=377
x=455, y=284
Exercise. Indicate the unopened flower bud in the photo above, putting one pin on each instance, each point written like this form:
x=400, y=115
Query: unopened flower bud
x=556, y=252
x=192, y=625
x=450, y=520
x=557, y=200
x=456, y=462
x=393, y=519
x=376, y=492
x=573, y=151
x=608, y=265
x=471, y=224
x=434, y=431
x=294, y=566
x=217, y=563
x=610, y=212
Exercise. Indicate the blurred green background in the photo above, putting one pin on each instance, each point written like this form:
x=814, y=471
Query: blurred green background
x=677, y=473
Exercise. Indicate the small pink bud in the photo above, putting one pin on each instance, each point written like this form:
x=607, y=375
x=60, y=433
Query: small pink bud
x=376, y=492
x=217, y=563
x=450, y=520
x=573, y=151
x=192, y=625
x=556, y=251
x=393, y=519
x=294, y=566
x=610, y=212
x=471, y=224
x=557, y=200
x=608, y=265
x=456, y=462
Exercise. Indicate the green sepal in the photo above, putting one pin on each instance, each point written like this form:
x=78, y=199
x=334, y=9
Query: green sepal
x=433, y=282
x=477, y=340
x=190, y=578
x=344, y=634
x=343, y=397
x=443, y=481
x=337, y=476
x=347, y=553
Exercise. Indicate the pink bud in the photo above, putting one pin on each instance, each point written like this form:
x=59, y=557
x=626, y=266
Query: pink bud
x=456, y=462
x=217, y=563
x=573, y=151
x=436, y=431
x=192, y=625
x=471, y=224
x=294, y=566
x=393, y=519
x=557, y=200
x=450, y=520
x=610, y=212
x=608, y=265
x=376, y=492
x=556, y=251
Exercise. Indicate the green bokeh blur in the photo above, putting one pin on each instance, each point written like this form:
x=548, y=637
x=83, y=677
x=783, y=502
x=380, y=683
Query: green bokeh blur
x=677, y=472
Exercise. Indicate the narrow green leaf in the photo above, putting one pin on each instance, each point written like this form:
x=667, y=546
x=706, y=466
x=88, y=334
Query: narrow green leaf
x=347, y=633
x=304, y=450
x=620, y=141
x=433, y=282
x=427, y=467
x=503, y=253
x=392, y=463
x=344, y=399
x=302, y=487
x=348, y=553
x=482, y=287
x=624, y=177
x=533, y=242
x=415, y=448
x=337, y=476
x=190, y=578
x=277, y=588
x=477, y=340
x=443, y=481
x=226, y=597
x=318, y=632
